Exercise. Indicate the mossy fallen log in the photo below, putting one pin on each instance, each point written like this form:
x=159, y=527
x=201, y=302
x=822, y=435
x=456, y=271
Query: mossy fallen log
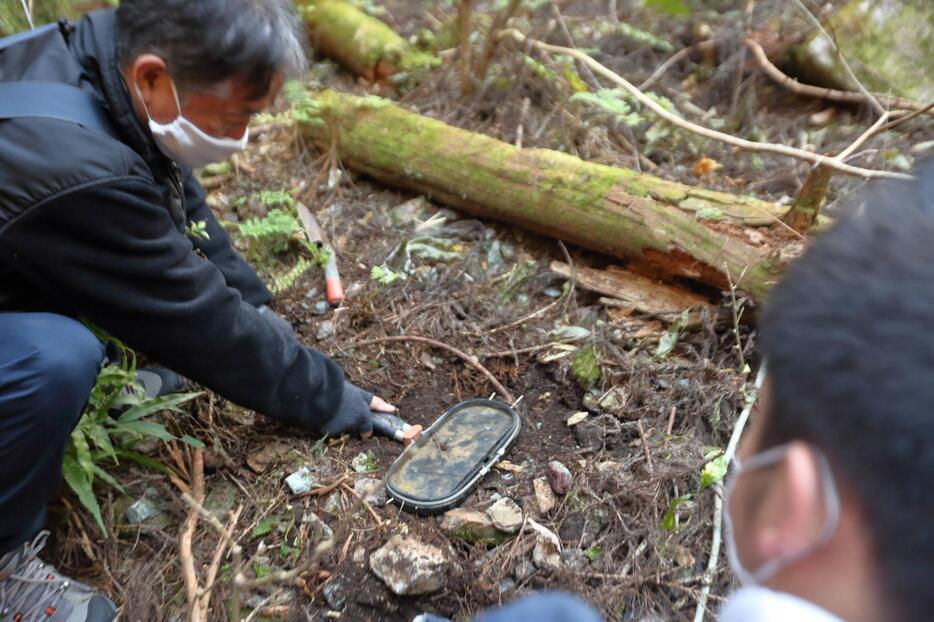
x=610, y=210
x=361, y=43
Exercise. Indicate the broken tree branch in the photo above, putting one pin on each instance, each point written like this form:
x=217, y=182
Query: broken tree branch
x=361, y=43
x=607, y=209
x=742, y=143
x=867, y=96
x=492, y=40
x=848, y=97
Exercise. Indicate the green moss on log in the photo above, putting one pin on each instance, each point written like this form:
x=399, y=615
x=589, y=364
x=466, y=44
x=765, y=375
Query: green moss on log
x=611, y=210
x=361, y=43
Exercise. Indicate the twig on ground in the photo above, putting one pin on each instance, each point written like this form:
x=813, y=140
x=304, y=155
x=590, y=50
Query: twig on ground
x=529, y=350
x=186, y=559
x=463, y=29
x=571, y=43
x=522, y=320
x=850, y=97
x=741, y=143
x=668, y=64
x=470, y=360
x=376, y=517
x=520, y=126
x=323, y=490
x=645, y=447
x=867, y=96
x=718, y=496
x=492, y=41
x=567, y=257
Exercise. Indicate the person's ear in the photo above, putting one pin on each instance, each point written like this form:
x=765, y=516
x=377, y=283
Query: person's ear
x=795, y=509
x=149, y=74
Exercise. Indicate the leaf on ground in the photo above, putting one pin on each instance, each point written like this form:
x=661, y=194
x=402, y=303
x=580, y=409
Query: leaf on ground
x=80, y=484
x=713, y=472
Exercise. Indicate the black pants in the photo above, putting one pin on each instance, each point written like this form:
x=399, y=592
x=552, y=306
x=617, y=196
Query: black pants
x=48, y=365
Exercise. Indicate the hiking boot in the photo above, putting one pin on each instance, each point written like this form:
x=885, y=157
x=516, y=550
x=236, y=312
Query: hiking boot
x=31, y=591
x=159, y=381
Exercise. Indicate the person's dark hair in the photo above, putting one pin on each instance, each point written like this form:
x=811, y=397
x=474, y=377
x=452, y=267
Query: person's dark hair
x=849, y=339
x=205, y=42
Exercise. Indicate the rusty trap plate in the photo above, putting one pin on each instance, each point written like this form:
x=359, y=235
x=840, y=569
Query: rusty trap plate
x=442, y=467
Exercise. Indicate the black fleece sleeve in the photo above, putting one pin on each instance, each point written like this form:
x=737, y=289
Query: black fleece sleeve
x=217, y=248
x=110, y=252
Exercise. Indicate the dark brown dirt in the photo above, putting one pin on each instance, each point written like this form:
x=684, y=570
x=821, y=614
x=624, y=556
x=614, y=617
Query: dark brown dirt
x=624, y=479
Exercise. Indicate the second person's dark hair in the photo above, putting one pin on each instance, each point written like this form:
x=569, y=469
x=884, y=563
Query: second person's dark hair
x=849, y=339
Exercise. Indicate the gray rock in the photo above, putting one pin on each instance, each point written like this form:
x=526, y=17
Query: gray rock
x=335, y=595
x=321, y=307
x=408, y=566
x=320, y=530
x=505, y=586
x=325, y=330
x=574, y=559
x=546, y=555
x=141, y=511
x=301, y=481
x=363, y=462
x=553, y=292
x=334, y=503
x=221, y=499
x=559, y=478
x=524, y=569
x=311, y=293
x=472, y=526
x=544, y=495
x=506, y=515
x=372, y=490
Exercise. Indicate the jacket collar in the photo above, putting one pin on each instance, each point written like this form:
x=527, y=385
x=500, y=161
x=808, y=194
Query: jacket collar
x=94, y=44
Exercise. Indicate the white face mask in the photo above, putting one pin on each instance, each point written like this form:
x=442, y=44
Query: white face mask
x=768, y=569
x=182, y=141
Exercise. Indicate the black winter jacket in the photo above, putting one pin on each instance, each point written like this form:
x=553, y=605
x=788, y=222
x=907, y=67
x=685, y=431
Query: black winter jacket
x=94, y=227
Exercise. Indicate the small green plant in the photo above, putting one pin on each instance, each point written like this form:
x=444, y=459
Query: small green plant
x=198, y=229
x=273, y=231
x=385, y=276
x=103, y=437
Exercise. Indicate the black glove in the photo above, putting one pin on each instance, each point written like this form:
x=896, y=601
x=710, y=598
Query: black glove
x=277, y=321
x=353, y=416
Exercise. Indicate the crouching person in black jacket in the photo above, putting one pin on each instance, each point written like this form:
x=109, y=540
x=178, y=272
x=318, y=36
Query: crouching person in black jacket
x=93, y=220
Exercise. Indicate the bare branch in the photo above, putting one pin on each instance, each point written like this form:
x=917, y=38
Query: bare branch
x=741, y=143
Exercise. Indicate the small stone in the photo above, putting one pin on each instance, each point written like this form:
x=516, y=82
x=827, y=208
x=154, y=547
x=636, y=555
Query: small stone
x=335, y=595
x=553, y=292
x=577, y=417
x=505, y=586
x=321, y=307
x=141, y=511
x=311, y=293
x=524, y=569
x=359, y=555
x=613, y=401
x=544, y=495
x=506, y=515
x=334, y=504
x=373, y=491
x=559, y=478
x=265, y=456
x=221, y=499
x=546, y=554
x=363, y=462
x=325, y=330
x=574, y=559
x=320, y=531
x=409, y=567
x=301, y=481
x=471, y=526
